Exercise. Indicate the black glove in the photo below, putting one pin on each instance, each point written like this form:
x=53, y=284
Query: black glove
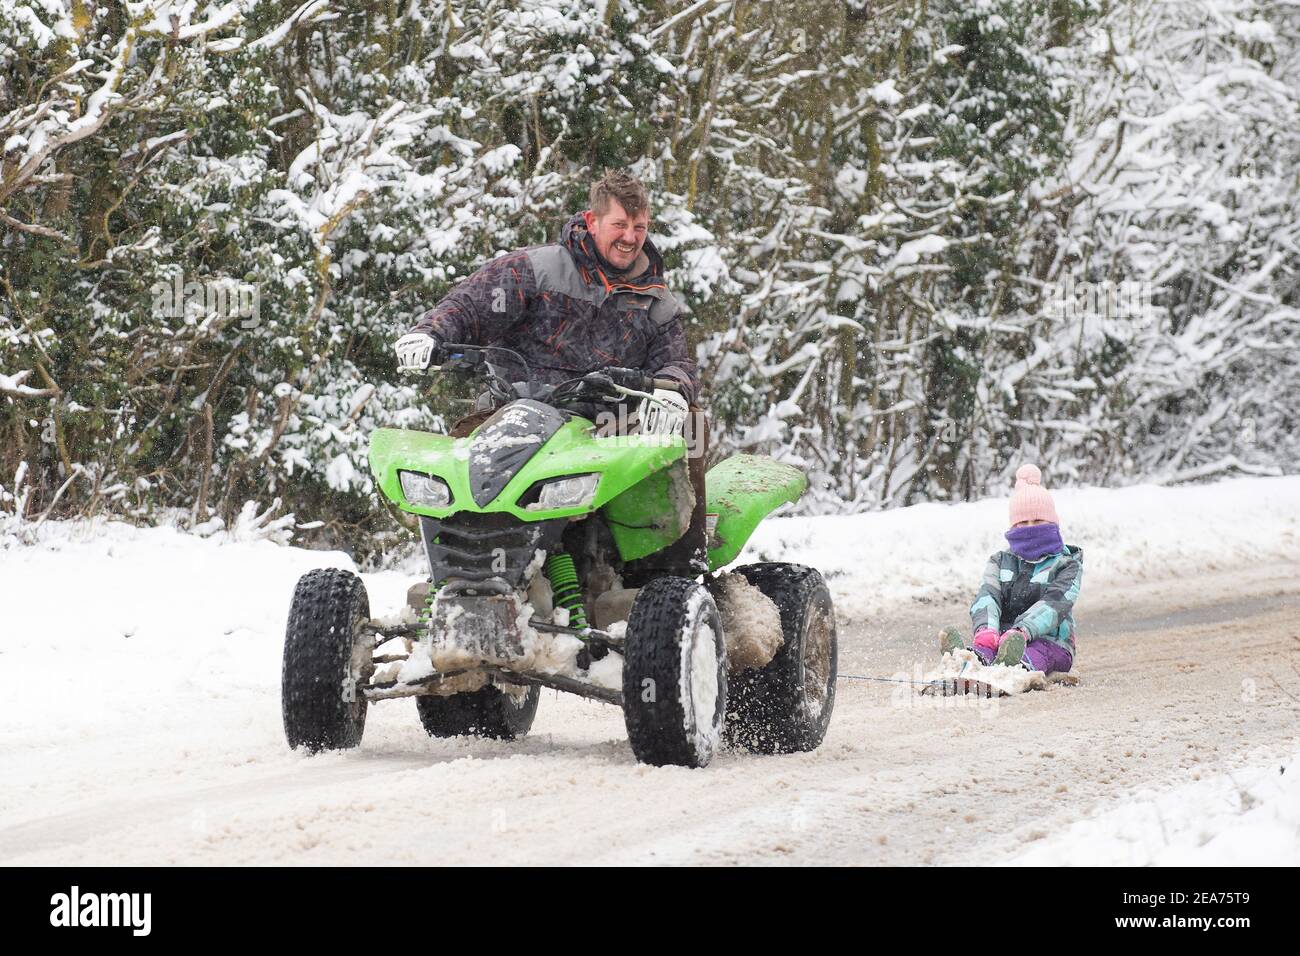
x=626, y=377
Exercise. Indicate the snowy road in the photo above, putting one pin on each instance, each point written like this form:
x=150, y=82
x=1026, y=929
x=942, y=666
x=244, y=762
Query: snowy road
x=1182, y=678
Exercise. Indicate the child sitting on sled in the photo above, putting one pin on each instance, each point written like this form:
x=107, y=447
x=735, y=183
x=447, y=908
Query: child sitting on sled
x=1024, y=612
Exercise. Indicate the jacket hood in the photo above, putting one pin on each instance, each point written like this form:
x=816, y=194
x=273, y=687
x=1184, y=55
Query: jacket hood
x=647, y=272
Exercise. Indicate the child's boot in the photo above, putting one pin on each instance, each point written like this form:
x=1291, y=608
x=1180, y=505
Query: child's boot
x=1012, y=649
x=951, y=639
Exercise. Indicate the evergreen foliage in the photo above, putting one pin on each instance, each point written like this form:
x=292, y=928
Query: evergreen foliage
x=886, y=220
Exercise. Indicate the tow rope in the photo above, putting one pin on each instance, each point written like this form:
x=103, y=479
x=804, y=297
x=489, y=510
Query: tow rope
x=889, y=680
x=904, y=680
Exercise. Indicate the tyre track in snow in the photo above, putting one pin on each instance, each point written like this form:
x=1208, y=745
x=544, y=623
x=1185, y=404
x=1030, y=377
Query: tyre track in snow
x=898, y=780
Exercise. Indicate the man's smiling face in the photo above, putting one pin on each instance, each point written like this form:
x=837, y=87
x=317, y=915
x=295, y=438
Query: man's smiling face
x=619, y=237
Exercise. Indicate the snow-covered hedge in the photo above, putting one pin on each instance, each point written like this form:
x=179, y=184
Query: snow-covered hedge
x=890, y=224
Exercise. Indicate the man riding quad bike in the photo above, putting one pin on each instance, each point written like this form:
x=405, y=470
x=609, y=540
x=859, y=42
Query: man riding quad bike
x=565, y=553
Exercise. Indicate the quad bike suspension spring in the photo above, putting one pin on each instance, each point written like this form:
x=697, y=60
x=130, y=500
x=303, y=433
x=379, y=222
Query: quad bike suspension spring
x=426, y=613
x=564, y=585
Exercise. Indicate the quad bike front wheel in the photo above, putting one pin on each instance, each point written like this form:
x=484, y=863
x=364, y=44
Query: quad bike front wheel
x=786, y=706
x=486, y=712
x=674, y=674
x=327, y=660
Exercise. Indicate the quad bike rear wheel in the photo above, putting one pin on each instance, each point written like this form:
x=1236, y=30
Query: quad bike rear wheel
x=486, y=712
x=327, y=660
x=786, y=706
x=674, y=674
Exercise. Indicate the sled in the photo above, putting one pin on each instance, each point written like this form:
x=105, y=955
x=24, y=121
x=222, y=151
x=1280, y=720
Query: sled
x=962, y=675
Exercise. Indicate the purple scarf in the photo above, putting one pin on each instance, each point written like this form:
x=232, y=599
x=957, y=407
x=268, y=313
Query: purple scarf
x=1035, y=541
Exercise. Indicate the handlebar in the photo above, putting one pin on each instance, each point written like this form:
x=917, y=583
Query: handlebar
x=463, y=357
x=469, y=357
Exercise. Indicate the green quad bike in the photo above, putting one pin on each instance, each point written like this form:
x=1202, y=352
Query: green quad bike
x=535, y=528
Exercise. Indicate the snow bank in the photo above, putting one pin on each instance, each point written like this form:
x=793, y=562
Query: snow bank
x=1246, y=818
x=931, y=552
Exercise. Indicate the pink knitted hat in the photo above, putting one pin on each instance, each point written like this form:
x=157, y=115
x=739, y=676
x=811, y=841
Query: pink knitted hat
x=1030, y=500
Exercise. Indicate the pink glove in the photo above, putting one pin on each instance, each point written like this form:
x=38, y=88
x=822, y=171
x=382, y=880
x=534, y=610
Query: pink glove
x=987, y=639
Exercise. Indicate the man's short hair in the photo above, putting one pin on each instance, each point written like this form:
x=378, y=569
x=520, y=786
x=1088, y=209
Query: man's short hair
x=622, y=186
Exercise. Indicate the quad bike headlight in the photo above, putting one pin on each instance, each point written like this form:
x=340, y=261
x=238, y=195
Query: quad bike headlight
x=425, y=491
x=574, y=492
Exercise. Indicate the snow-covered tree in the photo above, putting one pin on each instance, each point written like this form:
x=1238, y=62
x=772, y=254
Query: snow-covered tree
x=919, y=240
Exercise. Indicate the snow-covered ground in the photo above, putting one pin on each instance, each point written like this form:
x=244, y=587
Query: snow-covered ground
x=1247, y=818
x=141, y=668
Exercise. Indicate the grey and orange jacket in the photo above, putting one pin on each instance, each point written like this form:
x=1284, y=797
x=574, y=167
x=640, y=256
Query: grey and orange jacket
x=562, y=309
x=1036, y=596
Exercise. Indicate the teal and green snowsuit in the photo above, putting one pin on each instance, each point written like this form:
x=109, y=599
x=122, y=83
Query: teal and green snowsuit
x=1035, y=596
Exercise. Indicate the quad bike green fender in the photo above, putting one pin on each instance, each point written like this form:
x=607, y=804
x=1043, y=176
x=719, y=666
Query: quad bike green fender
x=742, y=491
x=621, y=461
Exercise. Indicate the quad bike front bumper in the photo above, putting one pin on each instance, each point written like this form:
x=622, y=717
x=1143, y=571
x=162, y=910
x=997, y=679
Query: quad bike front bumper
x=477, y=623
x=480, y=631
